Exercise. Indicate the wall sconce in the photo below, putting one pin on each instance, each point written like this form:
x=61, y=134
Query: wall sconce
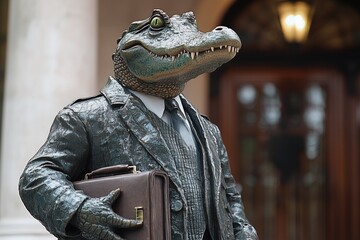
x=295, y=19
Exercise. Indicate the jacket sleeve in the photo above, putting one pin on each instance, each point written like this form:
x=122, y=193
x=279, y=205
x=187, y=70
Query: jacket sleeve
x=45, y=185
x=242, y=228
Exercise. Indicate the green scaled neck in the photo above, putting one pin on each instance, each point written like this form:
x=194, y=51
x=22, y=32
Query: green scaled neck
x=160, y=89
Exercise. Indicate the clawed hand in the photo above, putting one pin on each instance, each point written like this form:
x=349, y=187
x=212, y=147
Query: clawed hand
x=96, y=219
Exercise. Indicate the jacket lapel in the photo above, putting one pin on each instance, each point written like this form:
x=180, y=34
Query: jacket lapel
x=209, y=150
x=137, y=118
x=212, y=165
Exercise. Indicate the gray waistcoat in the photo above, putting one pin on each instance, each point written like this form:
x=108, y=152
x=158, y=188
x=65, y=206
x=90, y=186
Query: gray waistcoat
x=189, y=166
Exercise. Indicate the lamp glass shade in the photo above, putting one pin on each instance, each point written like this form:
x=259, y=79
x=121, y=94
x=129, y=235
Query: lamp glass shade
x=295, y=20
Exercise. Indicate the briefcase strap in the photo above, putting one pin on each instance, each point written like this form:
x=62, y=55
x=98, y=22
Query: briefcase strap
x=114, y=170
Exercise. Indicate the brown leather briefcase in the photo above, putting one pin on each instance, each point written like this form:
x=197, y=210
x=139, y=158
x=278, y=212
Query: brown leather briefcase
x=144, y=196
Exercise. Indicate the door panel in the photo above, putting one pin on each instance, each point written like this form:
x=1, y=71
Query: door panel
x=284, y=134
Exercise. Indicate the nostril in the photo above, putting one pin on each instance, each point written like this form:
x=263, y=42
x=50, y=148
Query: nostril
x=218, y=28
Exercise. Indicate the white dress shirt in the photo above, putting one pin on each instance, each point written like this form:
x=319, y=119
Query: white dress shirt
x=157, y=106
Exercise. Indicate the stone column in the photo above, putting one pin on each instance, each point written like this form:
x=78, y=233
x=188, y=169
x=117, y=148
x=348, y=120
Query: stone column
x=51, y=60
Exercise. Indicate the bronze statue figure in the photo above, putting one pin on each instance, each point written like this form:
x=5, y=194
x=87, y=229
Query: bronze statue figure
x=130, y=123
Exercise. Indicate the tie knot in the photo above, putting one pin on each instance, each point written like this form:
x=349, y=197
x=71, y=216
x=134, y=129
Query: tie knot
x=171, y=105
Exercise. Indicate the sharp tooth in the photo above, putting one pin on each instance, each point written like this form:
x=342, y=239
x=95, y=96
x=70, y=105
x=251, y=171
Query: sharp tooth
x=172, y=58
x=229, y=48
x=192, y=55
x=197, y=53
x=212, y=49
x=233, y=49
x=220, y=47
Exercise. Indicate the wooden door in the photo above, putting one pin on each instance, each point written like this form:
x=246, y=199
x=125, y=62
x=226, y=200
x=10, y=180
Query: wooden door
x=283, y=129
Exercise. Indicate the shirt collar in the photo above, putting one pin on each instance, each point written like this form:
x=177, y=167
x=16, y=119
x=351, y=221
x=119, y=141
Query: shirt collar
x=156, y=104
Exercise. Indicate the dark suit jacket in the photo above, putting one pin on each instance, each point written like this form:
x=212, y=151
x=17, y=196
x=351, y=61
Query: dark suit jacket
x=116, y=128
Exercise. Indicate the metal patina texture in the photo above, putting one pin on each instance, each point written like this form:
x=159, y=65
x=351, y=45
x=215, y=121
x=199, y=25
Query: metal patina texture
x=156, y=56
x=160, y=54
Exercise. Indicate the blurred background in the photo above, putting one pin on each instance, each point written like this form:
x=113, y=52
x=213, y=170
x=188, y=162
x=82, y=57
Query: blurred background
x=288, y=105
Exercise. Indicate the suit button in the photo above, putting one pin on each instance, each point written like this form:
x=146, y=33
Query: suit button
x=176, y=206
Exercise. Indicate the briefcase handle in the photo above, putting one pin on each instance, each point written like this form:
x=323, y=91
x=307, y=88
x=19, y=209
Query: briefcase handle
x=113, y=170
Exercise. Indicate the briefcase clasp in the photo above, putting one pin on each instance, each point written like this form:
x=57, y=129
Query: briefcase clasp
x=139, y=213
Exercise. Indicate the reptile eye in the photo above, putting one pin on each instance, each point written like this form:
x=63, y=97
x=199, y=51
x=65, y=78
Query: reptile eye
x=157, y=23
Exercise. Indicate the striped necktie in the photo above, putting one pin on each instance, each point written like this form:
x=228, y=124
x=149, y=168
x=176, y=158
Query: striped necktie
x=178, y=122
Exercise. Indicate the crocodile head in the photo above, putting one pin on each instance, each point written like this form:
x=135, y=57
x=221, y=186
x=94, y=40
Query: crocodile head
x=160, y=54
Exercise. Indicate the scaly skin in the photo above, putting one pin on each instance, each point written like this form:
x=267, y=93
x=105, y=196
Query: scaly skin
x=96, y=220
x=156, y=56
x=159, y=55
